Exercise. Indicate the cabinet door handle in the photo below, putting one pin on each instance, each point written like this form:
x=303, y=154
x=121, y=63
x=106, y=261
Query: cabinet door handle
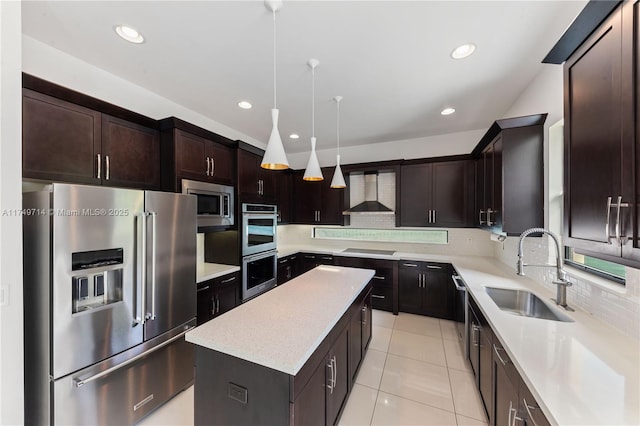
x=106, y=160
x=435, y=217
x=213, y=166
x=489, y=223
x=378, y=277
x=474, y=329
x=606, y=225
x=208, y=166
x=618, y=228
x=335, y=371
x=258, y=186
x=213, y=305
x=528, y=408
x=99, y=165
x=495, y=349
x=330, y=385
x=228, y=280
x=364, y=315
x=480, y=213
x=429, y=215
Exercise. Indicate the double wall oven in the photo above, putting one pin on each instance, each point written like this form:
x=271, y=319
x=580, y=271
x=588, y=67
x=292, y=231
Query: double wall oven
x=259, y=255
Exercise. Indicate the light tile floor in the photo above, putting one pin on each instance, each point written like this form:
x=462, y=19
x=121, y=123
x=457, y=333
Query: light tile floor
x=414, y=374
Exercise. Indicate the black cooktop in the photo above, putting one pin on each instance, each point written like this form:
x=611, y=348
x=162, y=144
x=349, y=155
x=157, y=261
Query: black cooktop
x=369, y=251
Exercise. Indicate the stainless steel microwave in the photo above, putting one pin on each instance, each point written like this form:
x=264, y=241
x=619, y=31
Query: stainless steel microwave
x=215, y=202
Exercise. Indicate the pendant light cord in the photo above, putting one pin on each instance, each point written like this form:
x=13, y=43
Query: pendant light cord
x=313, y=102
x=274, y=60
x=338, y=127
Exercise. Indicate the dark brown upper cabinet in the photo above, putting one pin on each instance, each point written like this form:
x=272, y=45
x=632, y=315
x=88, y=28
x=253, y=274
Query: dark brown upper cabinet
x=65, y=141
x=437, y=194
x=283, y=187
x=510, y=175
x=601, y=156
x=131, y=154
x=316, y=202
x=255, y=184
x=190, y=152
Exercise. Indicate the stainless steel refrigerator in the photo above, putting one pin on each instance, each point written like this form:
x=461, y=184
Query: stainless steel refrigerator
x=110, y=290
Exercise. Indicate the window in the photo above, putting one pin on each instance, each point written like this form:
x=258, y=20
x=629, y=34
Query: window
x=610, y=270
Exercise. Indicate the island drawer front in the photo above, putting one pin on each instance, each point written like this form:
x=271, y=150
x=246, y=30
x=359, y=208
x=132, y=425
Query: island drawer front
x=382, y=297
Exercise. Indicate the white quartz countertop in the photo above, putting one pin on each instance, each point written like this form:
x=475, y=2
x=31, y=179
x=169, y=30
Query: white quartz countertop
x=209, y=271
x=282, y=328
x=581, y=373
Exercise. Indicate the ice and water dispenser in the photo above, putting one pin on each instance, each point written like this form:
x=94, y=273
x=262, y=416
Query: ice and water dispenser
x=96, y=278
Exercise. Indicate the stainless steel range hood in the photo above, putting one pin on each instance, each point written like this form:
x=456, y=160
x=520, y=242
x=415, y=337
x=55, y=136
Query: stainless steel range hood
x=370, y=205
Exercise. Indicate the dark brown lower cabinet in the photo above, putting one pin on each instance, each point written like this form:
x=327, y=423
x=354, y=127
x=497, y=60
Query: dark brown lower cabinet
x=287, y=268
x=385, y=280
x=424, y=289
x=308, y=261
x=506, y=398
x=229, y=390
x=217, y=296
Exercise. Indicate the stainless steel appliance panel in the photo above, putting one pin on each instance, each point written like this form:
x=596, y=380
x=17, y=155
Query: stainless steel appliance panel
x=259, y=224
x=259, y=273
x=125, y=388
x=86, y=219
x=215, y=205
x=460, y=311
x=171, y=261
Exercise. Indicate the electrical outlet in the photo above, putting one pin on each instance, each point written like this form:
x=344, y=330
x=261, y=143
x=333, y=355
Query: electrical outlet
x=4, y=295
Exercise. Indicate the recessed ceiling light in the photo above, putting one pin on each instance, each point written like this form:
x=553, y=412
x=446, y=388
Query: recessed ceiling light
x=245, y=105
x=463, y=51
x=129, y=34
x=448, y=111
x=294, y=136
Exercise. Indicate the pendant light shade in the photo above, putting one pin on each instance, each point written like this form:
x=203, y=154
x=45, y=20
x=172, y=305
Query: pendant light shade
x=338, y=179
x=313, y=172
x=274, y=156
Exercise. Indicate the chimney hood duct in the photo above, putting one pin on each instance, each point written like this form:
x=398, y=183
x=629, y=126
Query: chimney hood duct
x=370, y=205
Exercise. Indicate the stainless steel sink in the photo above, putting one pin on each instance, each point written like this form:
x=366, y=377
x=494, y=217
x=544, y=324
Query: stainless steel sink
x=524, y=303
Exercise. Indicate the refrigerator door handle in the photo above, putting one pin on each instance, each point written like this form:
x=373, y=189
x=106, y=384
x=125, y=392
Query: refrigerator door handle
x=154, y=234
x=143, y=269
x=80, y=382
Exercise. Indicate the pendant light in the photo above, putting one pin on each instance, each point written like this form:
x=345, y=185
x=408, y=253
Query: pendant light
x=274, y=156
x=338, y=178
x=313, y=172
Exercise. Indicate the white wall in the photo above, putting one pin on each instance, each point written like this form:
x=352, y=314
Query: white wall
x=431, y=146
x=11, y=324
x=48, y=63
x=619, y=307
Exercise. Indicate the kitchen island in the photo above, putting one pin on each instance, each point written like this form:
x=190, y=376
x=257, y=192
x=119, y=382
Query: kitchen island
x=288, y=356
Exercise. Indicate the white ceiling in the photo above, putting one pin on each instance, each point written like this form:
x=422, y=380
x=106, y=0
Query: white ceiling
x=388, y=59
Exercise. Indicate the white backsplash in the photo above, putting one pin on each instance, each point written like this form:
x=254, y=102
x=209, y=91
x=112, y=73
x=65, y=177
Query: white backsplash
x=467, y=241
x=200, y=248
x=386, y=196
x=610, y=303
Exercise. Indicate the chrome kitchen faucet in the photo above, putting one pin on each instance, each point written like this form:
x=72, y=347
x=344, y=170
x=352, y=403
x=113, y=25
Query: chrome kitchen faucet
x=561, y=276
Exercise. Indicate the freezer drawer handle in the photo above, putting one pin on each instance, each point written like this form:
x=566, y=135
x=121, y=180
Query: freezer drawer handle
x=81, y=382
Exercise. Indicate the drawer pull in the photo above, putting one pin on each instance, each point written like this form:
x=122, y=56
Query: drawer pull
x=433, y=267
x=203, y=289
x=495, y=349
x=375, y=296
x=378, y=277
x=283, y=261
x=411, y=265
x=228, y=280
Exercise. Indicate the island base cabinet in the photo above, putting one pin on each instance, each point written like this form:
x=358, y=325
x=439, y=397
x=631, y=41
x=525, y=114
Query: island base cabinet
x=233, y=391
